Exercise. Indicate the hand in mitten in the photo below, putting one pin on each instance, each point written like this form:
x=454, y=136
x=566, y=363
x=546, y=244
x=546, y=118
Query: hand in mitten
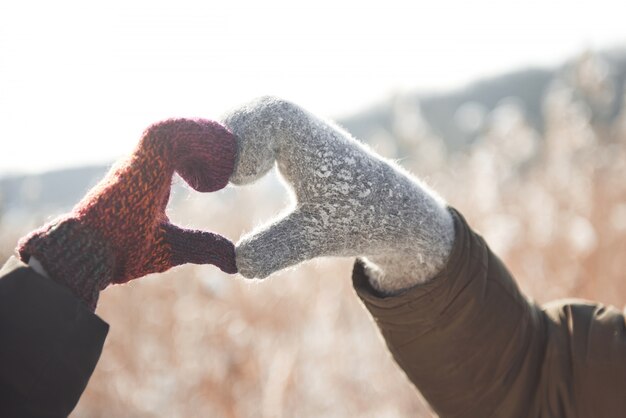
x=349, y=201
x=119, y=231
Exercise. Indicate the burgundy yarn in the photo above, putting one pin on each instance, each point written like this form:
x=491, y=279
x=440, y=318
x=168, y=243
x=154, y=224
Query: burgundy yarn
x=119, y=231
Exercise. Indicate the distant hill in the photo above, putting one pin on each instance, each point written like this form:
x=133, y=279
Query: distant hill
x=527, y=88
x=597, y=79
x=439, y=110
x=23, y=196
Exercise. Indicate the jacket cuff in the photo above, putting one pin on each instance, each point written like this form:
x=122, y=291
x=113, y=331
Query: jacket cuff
x=431, y=297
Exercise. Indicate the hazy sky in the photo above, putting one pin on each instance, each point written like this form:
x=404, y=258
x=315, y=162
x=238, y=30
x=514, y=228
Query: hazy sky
x=79, y=81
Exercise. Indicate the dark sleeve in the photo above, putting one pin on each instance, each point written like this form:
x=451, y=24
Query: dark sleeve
x=476, y=347
x=49, y=344
x=587, y=351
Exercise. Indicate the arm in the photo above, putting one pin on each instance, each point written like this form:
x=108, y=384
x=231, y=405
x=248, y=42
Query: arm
x=475, y=346
x=450, y=312
x=50, y=339
x=468, y=339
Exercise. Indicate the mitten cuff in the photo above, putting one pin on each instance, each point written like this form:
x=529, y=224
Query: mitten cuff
x=72, y=255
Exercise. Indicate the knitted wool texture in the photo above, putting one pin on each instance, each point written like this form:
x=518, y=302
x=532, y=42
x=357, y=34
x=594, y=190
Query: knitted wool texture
x=348, y=200
x=119, y=231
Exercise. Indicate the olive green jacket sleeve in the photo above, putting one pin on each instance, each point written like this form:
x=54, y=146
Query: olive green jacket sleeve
x=475, y=346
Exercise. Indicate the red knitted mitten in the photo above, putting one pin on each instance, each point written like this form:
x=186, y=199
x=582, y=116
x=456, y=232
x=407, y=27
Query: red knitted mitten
x=119, y=231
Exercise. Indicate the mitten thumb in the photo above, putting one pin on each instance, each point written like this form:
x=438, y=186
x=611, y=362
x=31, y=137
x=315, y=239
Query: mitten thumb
x=199, y=247
x=282, y=243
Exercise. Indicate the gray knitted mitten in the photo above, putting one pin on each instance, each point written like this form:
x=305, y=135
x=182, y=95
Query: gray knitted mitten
x=348, y=200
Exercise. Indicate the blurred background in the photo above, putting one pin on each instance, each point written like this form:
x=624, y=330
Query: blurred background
x=513, y=111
